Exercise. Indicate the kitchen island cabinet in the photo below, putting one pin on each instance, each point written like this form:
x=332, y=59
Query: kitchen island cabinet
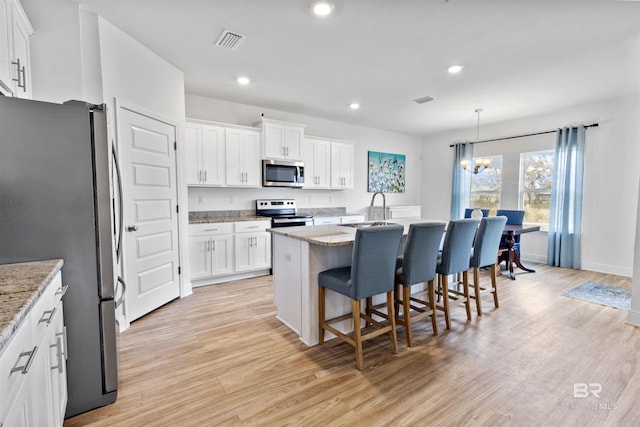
x=299, y=254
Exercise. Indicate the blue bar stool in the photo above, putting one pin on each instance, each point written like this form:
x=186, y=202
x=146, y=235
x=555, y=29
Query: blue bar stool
x=485, y=251
x=418, y=265
x=372, y=272
x=456, y=249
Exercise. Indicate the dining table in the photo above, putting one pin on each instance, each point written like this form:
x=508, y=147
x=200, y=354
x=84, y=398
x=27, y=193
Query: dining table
x=509, y=254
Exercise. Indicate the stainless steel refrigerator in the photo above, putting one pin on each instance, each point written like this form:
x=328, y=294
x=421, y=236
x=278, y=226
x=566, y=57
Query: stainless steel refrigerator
x=55, y=203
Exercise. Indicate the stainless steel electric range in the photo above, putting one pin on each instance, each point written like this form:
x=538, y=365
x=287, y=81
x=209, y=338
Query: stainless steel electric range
x=283, y=212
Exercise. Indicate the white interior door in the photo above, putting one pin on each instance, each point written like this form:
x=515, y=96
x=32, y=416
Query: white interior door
x=150, y=210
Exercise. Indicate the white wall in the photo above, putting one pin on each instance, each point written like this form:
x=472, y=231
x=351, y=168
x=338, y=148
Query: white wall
x=56, y=71
x=364, y=139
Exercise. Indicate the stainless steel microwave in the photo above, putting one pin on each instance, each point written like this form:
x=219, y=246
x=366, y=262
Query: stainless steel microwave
x=282, y=173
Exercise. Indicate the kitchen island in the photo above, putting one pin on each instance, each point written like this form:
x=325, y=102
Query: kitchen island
x=299, y=254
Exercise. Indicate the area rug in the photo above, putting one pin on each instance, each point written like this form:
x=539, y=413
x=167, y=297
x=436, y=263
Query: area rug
x=599, y=293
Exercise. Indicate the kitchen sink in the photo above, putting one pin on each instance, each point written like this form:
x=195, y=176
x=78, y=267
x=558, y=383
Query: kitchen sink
x=367, y=224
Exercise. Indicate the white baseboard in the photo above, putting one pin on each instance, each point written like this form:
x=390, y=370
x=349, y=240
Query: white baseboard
x=608, y=269
x=633, y=318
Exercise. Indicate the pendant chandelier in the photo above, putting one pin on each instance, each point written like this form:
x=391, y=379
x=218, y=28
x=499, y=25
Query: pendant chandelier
x=477, y=164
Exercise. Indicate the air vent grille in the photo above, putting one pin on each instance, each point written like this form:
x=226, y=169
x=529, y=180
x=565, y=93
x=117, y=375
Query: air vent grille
x=423, y=100
x=229, y=40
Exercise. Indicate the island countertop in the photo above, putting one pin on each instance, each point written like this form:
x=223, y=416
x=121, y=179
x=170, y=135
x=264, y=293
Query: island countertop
x=335, y=235
x=21, y=285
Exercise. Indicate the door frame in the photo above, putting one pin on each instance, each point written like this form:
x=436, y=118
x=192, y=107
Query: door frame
x=183, y=218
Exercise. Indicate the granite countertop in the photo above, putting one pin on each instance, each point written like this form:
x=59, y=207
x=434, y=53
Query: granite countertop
x=228, y=219
x=333, y=235
x=21, y=285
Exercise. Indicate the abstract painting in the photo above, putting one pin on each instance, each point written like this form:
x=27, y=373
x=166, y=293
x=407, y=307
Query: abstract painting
x=386, y=172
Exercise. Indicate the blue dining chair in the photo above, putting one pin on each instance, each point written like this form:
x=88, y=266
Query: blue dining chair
x=372, y=272
x=514, y=217
x=485, y=249
x=418, y=265
x=458, y=241
x=467, y=212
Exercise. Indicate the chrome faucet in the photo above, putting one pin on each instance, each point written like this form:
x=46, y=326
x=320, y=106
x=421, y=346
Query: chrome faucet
x=384, y=204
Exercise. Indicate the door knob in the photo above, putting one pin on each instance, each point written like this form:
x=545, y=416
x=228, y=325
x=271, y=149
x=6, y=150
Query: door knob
x=132, y=228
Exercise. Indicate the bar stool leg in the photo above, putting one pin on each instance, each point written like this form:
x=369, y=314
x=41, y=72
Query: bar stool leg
x=355, y=305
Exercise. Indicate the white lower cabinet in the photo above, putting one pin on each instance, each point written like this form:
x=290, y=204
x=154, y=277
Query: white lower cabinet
x=58, y=368
x=211, y=250
x=33, y=369
x=223, y=251
x=253, y=251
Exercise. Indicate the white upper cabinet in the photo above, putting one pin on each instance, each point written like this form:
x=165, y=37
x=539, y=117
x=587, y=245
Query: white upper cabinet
x=193, y=149
x=15, y=57
x=281, y=140
x=243, y=158
x=316, y=155
x=6, y=48
x=341, y=165
x=205, y=146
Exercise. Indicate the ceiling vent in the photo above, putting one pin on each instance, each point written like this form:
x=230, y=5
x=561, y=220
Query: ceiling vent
x=423, y=100
x=230, y=40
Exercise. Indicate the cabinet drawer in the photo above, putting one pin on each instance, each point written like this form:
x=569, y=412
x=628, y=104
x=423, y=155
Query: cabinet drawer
x=211, y=228
x=326, y=220
x=352, y=219
x=44, y=310
x=15, y=362
x=251, y=226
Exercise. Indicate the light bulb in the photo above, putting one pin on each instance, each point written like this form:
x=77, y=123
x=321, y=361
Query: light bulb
x=322, y=8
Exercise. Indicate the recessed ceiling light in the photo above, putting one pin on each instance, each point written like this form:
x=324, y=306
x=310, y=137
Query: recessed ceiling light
x=243, y=81
x=322, y=8
x=354, y=105
x=454, y=69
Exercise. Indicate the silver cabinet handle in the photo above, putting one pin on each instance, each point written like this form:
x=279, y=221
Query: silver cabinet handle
x=132, y=228
x=205, y=176
x=59, y=353
x=199, y=176
x=25, y=368
x=211, y=229
x=46, y=318
x=24, y=79
x=18, y=71
x=213, y=243
x=62, y=290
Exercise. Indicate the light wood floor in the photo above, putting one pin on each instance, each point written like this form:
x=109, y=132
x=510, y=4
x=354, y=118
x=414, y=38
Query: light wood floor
x=220, y=357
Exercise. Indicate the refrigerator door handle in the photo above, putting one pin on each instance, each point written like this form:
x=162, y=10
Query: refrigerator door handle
x=124, y=288
x=120, y=204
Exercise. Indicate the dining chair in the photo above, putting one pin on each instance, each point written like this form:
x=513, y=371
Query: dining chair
x=418, y=265
x=514, y=217
x=484, y=253
x=468, y=211
x=372, y=272
x=454, y=259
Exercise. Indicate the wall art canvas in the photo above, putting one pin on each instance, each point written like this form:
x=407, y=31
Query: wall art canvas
x=386, y=172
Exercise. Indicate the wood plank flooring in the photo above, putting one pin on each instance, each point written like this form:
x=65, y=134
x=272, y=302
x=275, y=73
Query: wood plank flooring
x=220, y=357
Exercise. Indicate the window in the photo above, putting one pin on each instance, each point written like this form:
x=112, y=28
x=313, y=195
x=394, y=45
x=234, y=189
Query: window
x=486, y=186
x=536, y=178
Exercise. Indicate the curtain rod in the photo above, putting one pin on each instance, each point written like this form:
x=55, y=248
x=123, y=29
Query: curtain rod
x=593, y=125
